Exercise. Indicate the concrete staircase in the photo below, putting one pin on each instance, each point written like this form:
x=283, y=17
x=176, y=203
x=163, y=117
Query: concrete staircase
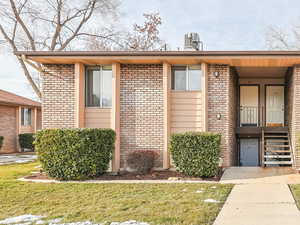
x=276, y=148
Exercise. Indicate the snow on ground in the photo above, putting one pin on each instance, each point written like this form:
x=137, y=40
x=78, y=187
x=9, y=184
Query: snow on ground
x=35, y=220
x=209, y=200
x=20, y=219
x=16, y=158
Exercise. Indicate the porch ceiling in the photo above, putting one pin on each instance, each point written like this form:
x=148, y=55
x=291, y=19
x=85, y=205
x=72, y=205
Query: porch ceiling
x=267, y=72
x=232, y=58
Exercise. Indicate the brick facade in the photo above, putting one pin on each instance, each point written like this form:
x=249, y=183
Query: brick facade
x=58, y=107
x=8, y=129
x=293, y=90
x=222, y=100
x=141, y=104
x=141, y=109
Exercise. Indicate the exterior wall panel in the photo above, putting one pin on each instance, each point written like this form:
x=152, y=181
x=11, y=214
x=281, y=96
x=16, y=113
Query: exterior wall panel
x=186, y=111
x=8, y=129
x=97, y=118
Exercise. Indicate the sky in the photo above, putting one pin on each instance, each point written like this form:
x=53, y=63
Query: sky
x=221, y=24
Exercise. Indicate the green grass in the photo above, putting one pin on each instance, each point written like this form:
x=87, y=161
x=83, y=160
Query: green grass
x=154, y=203
x=295, y=188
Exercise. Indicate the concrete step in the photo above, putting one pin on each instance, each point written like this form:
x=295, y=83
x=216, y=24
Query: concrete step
x=276, y=141
x=278, y=156
x=277, y=162
x=276, y=146
x=278, y=151
x=276, y=136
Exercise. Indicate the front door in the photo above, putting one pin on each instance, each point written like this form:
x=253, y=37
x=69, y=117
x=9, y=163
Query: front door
x=274, y=106
x=249, y=152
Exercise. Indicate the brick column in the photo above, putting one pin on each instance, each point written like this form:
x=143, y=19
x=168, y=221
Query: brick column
x=221, y=102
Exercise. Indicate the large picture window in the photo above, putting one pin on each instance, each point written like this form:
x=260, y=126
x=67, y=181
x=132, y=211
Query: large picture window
x=98, y=86
x=25, y=116
x=186, y=78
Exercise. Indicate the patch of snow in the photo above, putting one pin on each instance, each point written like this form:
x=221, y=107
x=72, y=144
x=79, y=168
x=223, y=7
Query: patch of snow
x=199, y=191
x=22, y=161
x=76, y=223
x=18, y=219
x=213, y=187
x=130, y=222
x=32, y=219
x=184, y=190
x=57, y=220
x=210, y=200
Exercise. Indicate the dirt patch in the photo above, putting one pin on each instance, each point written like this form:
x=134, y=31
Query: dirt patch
x=154, y=175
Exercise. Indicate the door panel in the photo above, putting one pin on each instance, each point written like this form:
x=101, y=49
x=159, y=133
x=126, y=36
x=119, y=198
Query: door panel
x=249, y=152
x=275, y=105
x=249, y=105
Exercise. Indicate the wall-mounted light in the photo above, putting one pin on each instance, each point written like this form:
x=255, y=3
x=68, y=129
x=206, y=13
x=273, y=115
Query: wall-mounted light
x=216, y=74
x=219, y=116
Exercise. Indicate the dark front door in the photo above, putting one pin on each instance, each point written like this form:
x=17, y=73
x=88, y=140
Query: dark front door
x=249, y=152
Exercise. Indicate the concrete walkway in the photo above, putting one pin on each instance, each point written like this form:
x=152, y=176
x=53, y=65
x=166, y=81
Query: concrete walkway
x=259, y=199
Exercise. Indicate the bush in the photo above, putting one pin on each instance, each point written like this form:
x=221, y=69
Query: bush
x=1, y=141
x=196, y=153
x=75, y=154
x=142, y=161
x=26, y=140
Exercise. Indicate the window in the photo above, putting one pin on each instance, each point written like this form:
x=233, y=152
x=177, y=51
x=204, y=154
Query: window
x=186, y=78
x=26, y=117
x=98, y=86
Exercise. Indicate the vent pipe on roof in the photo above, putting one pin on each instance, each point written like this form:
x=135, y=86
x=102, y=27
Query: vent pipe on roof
x=192, y=42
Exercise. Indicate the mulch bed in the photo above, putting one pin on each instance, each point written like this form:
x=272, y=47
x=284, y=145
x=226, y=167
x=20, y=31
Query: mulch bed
x=154, y=175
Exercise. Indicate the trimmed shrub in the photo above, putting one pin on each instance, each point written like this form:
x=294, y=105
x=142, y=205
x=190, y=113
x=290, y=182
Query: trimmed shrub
x=1, y=141
x=141, y=161
x=75, y=154
x=196, y=153
x=26, y=140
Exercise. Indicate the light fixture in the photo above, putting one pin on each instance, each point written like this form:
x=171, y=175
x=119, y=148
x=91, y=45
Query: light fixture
x=219, y=116
x=216, y=74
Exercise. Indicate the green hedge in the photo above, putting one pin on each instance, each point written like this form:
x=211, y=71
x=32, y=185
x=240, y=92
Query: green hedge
x=196, y=153
x=75, y=154
x=1, y=141
x=26, y=140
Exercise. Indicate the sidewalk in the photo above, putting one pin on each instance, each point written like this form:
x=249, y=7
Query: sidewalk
x=265, y=200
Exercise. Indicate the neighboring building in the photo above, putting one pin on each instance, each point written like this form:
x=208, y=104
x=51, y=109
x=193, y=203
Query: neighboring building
x=17, y=115
x=251, y=97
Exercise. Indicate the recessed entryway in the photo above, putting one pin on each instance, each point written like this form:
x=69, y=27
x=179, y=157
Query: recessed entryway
x=249, y=152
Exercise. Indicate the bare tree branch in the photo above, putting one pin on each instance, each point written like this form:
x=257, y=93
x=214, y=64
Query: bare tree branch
x=280, y=39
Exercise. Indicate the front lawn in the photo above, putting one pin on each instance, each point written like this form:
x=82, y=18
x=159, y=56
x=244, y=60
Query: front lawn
x=295, y=188
x=153, y=203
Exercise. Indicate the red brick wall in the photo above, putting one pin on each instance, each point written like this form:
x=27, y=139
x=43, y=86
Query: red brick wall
x=141, y=109
x=8, y=129
x=221, y=100
x=58, y=107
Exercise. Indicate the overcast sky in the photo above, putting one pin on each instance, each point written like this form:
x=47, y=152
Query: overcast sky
x=222, y=25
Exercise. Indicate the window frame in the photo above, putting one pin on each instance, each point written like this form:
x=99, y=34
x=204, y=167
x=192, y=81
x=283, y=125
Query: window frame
x=100, y=68
x=187, y=76
x=28, y=122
